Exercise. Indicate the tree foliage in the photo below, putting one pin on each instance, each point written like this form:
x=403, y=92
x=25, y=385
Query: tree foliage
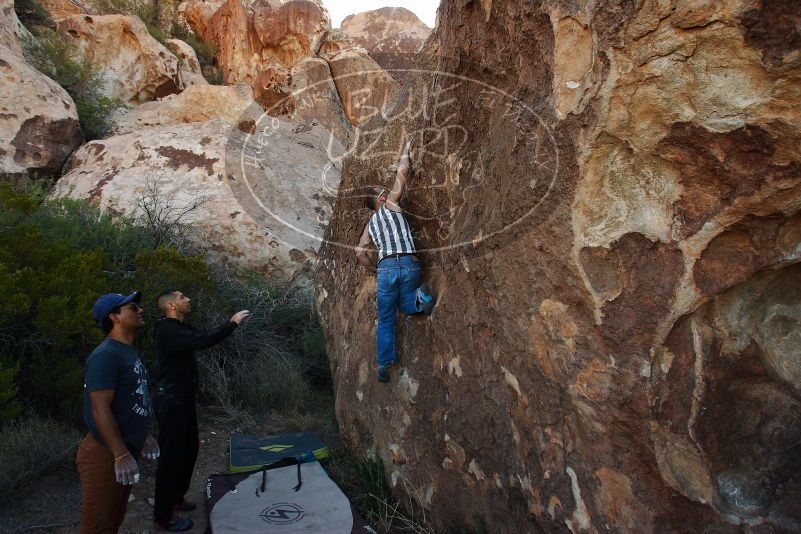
x=49, y=53
x=58, y=256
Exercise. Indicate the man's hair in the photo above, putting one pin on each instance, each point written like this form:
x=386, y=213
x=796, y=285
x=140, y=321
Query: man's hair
x=371, y=197
x=165, y=297
x=107, y=325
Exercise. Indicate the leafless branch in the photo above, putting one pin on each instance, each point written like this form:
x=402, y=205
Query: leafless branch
x=162, y=215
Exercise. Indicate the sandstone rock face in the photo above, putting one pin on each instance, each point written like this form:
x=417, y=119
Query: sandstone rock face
x=607, y=198
x=198, y=103
x=315, y=96
x=250, y=38
x=334, y=43
x=363, y=86
x=38, y=120
x=191, y=73
x=261, y=202
x=392, y=35
x=135, y=67
x=11, y=30
x=198, y=13
x=272, y=89
x=61, y=9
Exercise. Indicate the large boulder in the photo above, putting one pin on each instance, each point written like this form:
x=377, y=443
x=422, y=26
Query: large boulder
x=258, y=196
x=12, y=31
x=61, y=9
x=335, y=42
x=198, y=103
x=191, y=73
x=316, y=99
x=272, y=89
x=607, y=201
x=197, y=13
x=391, y=35
x=363, y=86
x=135, y=67
x=251, y=38
x=38, y=120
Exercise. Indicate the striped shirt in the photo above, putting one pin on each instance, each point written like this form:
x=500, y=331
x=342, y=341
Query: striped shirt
x=390, y=232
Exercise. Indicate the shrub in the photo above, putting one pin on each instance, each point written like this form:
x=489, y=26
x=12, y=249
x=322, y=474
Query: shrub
x=31, y=447
x=158, y=17
x=273, y=363
x=58, y=256
x=9, y=406
x=33, y=16
x=54, y=57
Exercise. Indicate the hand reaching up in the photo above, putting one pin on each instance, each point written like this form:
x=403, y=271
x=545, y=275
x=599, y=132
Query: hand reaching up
x=238, y=317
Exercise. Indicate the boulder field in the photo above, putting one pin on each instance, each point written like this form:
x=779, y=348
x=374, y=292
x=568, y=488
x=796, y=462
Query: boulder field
x=606, y=197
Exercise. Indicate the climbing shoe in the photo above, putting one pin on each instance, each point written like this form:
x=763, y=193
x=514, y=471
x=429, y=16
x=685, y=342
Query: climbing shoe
x=425, y=299
x=176, y=524
x=383, y=374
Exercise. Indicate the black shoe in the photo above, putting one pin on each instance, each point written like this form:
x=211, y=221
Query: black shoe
x=176, y=524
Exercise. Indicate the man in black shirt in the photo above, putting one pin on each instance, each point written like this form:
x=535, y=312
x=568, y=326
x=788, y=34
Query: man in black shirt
x=174, y=402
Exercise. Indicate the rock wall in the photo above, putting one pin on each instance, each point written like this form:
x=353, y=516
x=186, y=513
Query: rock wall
x=135, y=67
x=38, y=120
x=257, y=197
x=252, y=37
x=606, y=197
x=392, y=36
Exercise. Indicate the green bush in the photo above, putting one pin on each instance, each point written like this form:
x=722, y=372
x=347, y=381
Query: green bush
x=9, y=405
x=33, y=16
x=157, y=17
x=55, y=58
x=58, y=256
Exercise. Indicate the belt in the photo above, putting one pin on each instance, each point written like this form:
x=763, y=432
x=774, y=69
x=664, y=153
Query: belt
x=397, y=255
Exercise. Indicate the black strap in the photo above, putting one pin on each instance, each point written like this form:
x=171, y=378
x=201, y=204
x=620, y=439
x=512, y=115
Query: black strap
x=300, y=480
x=260, y=489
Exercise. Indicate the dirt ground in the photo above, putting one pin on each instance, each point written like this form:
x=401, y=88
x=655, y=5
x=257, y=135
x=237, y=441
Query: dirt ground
x=54, y=504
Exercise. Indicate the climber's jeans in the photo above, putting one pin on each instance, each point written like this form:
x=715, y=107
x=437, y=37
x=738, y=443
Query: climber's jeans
x=398, y=280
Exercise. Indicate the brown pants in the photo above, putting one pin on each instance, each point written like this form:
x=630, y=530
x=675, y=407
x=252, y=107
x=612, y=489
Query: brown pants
x=104, y=500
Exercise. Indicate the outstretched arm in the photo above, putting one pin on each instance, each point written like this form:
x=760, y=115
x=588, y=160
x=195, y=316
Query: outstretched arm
x=184, y=337
x=361, y=250
x=400, y=179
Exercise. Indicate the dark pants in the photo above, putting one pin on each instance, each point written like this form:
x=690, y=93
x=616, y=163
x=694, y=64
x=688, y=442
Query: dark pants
x=178, y=441
x=104, y=499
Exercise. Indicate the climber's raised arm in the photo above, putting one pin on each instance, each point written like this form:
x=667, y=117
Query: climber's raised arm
x=400, y=180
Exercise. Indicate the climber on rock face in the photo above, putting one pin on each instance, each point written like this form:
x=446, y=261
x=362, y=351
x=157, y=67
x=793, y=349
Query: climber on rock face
x=398, y=269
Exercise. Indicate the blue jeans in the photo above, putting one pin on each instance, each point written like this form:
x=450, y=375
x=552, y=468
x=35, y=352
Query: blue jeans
x=398, y=280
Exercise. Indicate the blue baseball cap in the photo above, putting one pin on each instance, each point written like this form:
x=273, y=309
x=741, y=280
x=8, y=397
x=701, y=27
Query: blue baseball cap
x=109, y=301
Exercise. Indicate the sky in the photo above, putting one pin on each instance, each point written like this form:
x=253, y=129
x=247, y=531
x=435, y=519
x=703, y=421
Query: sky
x=339, y=9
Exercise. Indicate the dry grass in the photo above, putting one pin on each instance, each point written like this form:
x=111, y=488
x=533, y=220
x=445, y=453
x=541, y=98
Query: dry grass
x=30, y=447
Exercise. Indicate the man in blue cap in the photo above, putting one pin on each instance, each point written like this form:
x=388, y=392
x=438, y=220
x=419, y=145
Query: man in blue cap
x=116, y=408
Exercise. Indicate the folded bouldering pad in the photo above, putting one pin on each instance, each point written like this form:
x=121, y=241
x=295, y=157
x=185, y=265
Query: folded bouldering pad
x=293, y=499
x=253, y=452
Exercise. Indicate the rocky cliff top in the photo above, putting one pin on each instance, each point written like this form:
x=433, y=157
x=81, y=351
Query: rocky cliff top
x=392, y=35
